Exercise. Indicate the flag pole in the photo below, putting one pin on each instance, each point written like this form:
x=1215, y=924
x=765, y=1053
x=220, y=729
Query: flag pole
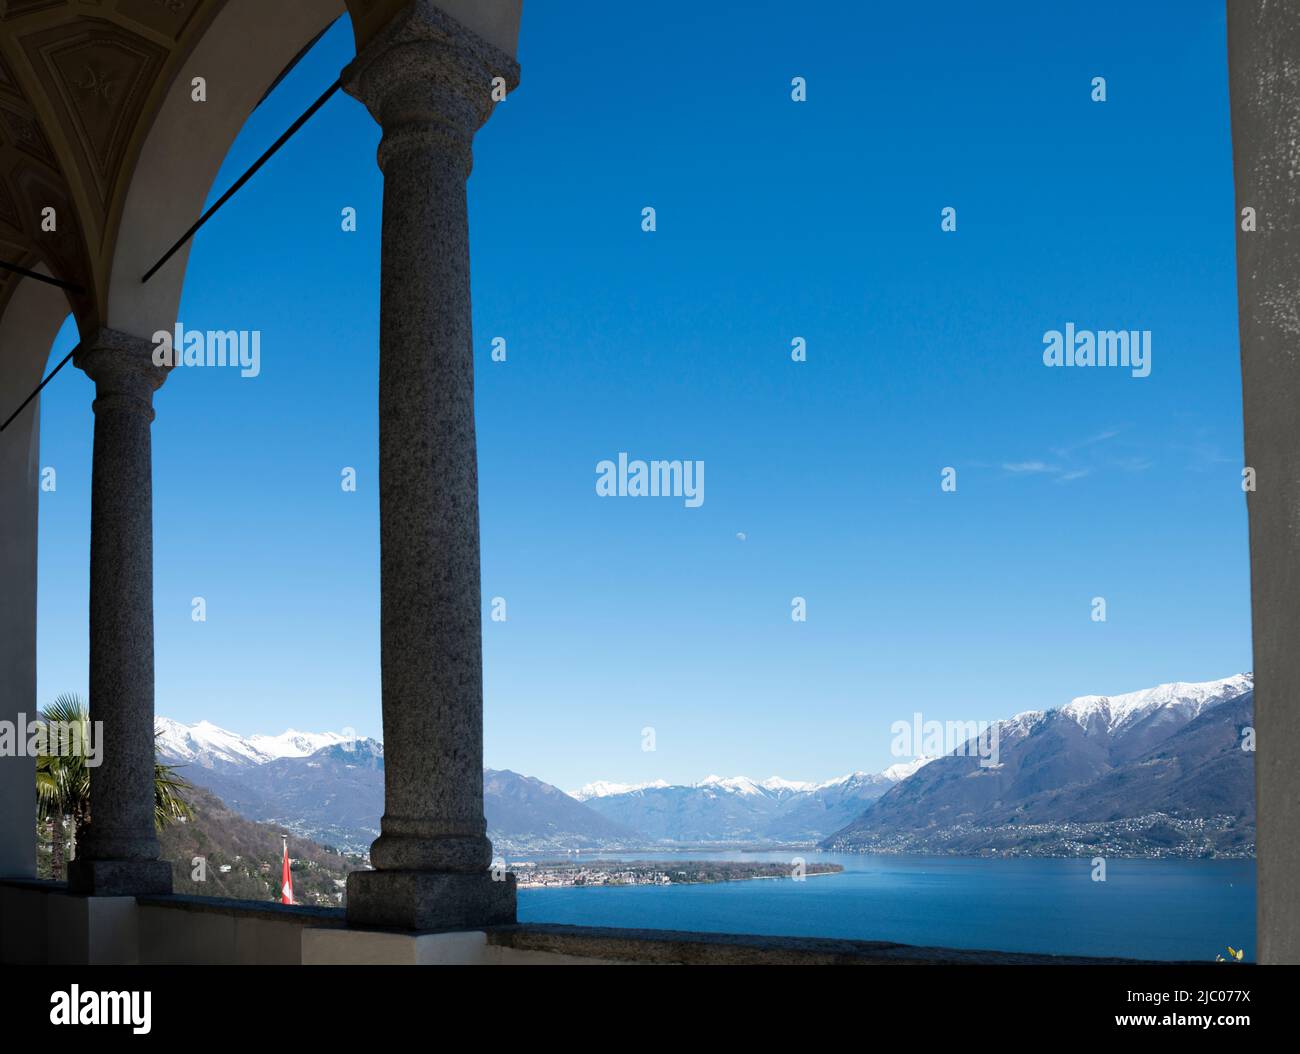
x=286, y=877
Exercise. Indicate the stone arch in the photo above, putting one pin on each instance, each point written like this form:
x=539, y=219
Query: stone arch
x=241, y=55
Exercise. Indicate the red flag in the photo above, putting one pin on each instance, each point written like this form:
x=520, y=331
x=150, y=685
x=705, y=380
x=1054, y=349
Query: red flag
x=286, y=878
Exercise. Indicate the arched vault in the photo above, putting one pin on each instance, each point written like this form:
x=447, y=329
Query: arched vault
x=98, y=123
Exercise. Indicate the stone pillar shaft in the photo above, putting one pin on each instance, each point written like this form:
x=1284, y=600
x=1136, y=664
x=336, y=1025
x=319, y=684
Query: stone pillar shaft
x=1264, y=84
x=428, y=82
x=120, y=852
x=429, y=530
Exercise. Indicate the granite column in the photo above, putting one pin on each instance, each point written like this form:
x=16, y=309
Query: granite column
x=430, y=83
x=120, y=852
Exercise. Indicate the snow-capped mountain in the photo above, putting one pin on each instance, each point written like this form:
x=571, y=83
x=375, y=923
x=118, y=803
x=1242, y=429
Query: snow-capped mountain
x=294, y=744
x=207, y=745
x=777, y=784
x=899, y=772
x=740, y=808
x=773, y=785
x=1177, y=702
x=603, y=789
x=334, y=793
x=1174, y=752
x=1131, y=723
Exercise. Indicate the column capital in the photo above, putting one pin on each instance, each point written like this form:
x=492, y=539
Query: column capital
x=428, y=82
x=121, y=364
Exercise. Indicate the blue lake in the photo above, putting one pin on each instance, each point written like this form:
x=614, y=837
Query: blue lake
x=1149, y=909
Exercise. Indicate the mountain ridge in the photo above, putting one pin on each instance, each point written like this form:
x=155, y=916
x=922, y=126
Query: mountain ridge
x=1095, y=760
x=1164, y=767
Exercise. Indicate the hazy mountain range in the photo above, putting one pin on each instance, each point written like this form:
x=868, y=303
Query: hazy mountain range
x=335, y=794
x=1160, y=770
x=331, y=789
x=739, y=809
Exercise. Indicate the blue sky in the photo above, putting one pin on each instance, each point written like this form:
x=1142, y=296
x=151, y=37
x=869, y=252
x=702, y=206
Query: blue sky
x=776, y=219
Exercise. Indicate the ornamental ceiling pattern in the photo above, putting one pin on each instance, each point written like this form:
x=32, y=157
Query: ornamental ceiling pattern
x=80, y=84
x=80, y=81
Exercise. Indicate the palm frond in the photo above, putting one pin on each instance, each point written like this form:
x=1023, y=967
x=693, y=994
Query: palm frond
x=168, y=802
x=63, y=780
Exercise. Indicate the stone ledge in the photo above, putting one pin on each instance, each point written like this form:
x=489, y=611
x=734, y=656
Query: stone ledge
x=308, y=915
x=520, y=943
x=732, y=949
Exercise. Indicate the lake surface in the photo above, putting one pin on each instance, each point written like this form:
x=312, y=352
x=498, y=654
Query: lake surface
x=1149, y=909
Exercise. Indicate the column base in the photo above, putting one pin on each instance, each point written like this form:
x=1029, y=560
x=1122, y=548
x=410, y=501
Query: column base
x=120, y=878
x=430, y=900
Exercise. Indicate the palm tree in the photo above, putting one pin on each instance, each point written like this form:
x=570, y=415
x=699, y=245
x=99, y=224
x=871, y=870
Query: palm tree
x=63, y=783
x=63, y=780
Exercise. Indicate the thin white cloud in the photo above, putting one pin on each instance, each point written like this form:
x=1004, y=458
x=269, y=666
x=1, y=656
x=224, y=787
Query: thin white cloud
x=1064, y=452
x=1203, y=456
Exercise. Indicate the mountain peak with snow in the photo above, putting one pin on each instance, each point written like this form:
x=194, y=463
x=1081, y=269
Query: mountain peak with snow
x=777, y=784
x=1188, y=699
x=898, y=773
x=206, y=744
x=735, y=784
x=294, y=744
x=748, y=787
x=605, y=789
x=1114, y=714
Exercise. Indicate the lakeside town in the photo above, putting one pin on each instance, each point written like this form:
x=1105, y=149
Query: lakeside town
x=1155, y=836
x=533, y=875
